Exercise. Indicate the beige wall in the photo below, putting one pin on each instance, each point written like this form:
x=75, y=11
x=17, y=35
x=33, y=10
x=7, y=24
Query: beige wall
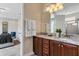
x=35, y=11
x=45, y=17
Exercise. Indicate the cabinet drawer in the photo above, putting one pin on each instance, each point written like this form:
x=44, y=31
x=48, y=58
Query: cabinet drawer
x=40, y=43
x=45, y=54
x=45, y=41
x=45, y=47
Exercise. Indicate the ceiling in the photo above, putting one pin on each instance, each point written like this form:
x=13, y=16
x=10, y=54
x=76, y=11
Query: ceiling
x=69, y=8
x=10, y=10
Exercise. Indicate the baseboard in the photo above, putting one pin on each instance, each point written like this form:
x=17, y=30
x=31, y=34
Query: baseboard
x=29, y=54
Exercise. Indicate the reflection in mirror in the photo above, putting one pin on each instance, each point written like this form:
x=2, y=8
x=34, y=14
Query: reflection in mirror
x=71, y=25
x=5, y=26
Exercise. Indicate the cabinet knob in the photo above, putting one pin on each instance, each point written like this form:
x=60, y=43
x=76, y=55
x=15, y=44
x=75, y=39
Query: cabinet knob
x=61, y=45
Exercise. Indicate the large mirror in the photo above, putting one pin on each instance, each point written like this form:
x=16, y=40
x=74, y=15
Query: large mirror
x=68, y=24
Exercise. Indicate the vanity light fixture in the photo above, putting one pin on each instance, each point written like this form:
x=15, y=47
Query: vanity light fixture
x=71, y=22
x=53, y=7
x=74, y=24
x=70, y=19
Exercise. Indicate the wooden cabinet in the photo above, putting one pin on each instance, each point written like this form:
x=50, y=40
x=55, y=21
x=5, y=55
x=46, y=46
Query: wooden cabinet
x=55, y=48
x=37, y=45
x=45, y=47
x=78, y=50
x=62, y=49
x=41, y=46
x=69, y=49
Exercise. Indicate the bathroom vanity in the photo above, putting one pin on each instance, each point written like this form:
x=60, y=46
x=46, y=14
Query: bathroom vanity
x=44, y=45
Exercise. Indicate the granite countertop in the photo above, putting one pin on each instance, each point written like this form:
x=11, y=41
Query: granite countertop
x=73, y=40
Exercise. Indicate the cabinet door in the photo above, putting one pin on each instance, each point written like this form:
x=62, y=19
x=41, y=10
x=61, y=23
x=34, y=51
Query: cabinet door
x=37, y=45
x=78, y=50
x=45, y=47
x=40, y=46
x=55, y=48
x=69, y=49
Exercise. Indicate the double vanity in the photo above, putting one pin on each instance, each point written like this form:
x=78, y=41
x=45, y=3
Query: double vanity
x=44, y=45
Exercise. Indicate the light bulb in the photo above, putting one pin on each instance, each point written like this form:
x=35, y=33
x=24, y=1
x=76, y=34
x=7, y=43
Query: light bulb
x=52, y=6
x=74, y=24
x=55, y=9
x=50, y=11
x=47, y=8
x=60, y=6
x=71, y=22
